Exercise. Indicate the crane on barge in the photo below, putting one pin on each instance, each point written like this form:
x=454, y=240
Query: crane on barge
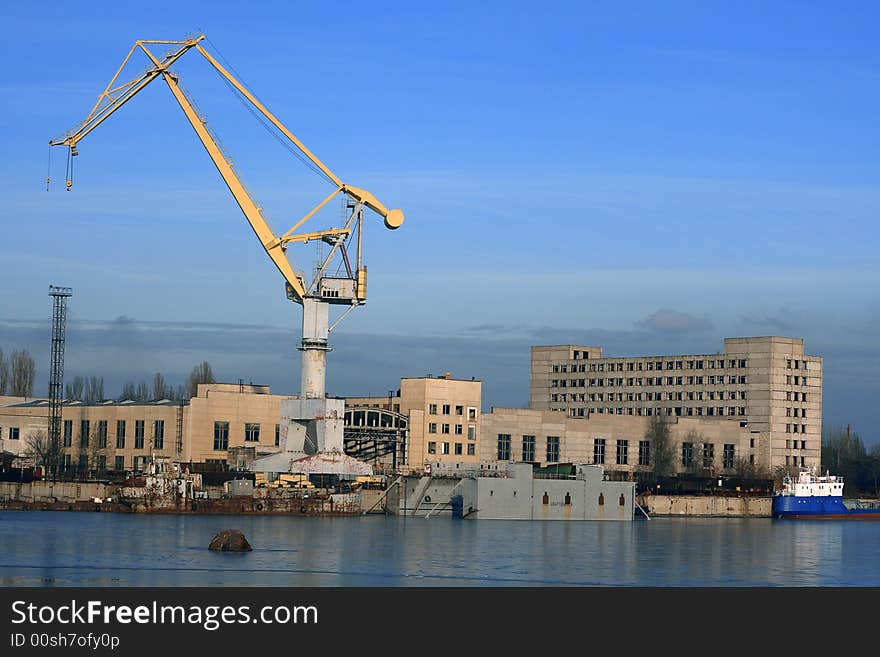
x=348, y=289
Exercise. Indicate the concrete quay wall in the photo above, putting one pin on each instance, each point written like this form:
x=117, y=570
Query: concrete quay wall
x=707, y=506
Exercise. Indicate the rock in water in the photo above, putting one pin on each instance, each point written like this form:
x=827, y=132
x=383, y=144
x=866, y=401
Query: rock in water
x=230, y=540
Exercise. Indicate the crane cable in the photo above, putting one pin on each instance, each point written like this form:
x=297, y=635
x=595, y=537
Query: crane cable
x=261, y=119
x=49, y=169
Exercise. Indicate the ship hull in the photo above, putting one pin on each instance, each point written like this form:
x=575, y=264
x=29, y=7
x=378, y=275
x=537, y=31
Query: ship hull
x=818, y=508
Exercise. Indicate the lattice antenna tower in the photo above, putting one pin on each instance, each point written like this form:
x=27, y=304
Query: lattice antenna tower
x=56, y=370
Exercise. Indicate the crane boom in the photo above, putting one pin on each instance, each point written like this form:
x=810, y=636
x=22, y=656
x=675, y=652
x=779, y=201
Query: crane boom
x=114, y=97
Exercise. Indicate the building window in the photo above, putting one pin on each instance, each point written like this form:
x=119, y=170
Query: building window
x=446, y=409
x=432, y=427
x=251, y=432
x=528, y=449
x=459, y=430
x=159, y=433
x=687, y=454
x=708, y=455
x=138, y=434
x=445, y=428
x=729, y=456
x=119, y=463
x=644, y=452
x=622, y=451
x=432, y=447
x=472, y=414
x=472, y=432
x=221, y=436
x=458, y=449
x=503, y=446
x=102, y=434
x=552, y=449
x=599, y=450
x=277, y=435
x=68, y=433
x=444, y=448
x=459, y=410
x=13, y=433
x=472, y=450
x=120, y=436
x=432, y=409
x=84, y=433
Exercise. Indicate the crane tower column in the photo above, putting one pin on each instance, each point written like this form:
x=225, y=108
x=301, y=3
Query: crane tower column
x=314, y=347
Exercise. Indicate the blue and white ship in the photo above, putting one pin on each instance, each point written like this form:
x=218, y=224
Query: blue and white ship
x=819, y=498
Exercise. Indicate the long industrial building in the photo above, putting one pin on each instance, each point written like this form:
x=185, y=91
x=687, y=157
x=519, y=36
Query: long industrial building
x=759, y=403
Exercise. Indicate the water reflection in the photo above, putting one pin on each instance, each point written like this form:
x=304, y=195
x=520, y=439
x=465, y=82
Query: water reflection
x=102, y=549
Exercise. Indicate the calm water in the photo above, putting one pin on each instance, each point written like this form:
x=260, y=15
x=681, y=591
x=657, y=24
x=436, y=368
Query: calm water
x=39, y=548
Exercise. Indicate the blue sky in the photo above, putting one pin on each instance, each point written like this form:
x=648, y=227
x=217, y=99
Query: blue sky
x=649, y=177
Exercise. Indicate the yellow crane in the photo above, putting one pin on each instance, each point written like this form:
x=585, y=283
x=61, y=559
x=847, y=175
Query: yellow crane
x=323, y=290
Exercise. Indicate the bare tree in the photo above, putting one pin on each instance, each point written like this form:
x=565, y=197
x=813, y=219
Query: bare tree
x=22, y=368
x=695, y=465
x=128, y=392
x=4, y=374
x=746, y=469
x=44, y=451
x=94, y=390
x=161, y=389
x=75, y=389
x=142, y=392
x=661, y=446
x=201, y=373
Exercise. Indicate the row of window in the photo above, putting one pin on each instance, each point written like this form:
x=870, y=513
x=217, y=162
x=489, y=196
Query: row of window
x=688, y=454
x=795, y=428
x=651, y=365
x=99, y=434
x=444, y=448
x=251, y=434
x=528, y=448
x=795, y=412
x=99, y=463
x=677, y=411
x=650, y=396
x=728, y=458
x=795, y=380
x=795, y=364
x=795, y=396
x=793, y=444
x=459, y=410
x=651, y=381
x=459, y=429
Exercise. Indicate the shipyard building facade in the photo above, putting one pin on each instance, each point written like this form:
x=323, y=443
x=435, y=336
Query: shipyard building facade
x=758, y=404
x=769, y=383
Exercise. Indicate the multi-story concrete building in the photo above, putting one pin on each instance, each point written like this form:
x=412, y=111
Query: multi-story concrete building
x=768, y=382
x=438, y=418
x=443, y=417
x=125, y=435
